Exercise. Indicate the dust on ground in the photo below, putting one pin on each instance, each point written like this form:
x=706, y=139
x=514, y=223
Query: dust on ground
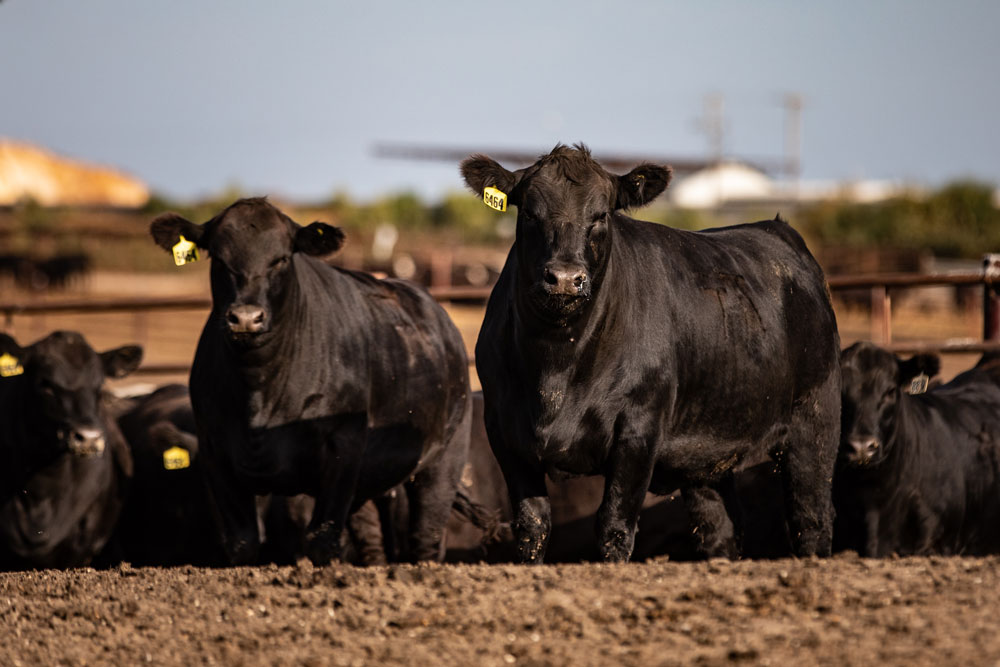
x=842, y=610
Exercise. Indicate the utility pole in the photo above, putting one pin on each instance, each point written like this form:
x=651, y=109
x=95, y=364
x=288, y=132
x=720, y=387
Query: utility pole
x=793, y=137
x=712, y=123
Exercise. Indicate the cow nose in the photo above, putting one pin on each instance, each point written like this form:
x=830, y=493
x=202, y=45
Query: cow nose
x=565, y=281
x=86, y=441
x=864, y=448
x=246, y=319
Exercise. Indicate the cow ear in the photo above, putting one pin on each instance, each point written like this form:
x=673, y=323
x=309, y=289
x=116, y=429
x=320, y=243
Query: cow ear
x=642, y=185
x=164, y=434
x=121, y=361
x=918, y=364
x=318, y=238
x=481, y=172
x=167, y=230
x=9, y=346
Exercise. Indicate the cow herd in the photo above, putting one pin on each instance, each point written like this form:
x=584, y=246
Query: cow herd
x=329, y=413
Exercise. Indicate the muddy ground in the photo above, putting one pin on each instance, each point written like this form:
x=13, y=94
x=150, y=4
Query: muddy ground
x=844, y=610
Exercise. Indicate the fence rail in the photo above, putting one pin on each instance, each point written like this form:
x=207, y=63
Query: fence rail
x=879, y=284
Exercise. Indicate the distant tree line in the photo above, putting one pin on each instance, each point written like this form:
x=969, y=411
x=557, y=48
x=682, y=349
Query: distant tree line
x=958, y=220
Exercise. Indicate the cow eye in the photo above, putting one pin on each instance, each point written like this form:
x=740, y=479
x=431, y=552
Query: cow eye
x=887, y=396
x=279, y=263
x=47, y=388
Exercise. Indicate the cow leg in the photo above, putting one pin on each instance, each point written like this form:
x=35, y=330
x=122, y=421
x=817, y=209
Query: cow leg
x=430, y=494
x=626, y=481
x=807, y=472
x=336, y=495
x=529, y=499
x=711, y=525
x=393, y=508
x=235, y=511
x=871, y=533
x=365, y=529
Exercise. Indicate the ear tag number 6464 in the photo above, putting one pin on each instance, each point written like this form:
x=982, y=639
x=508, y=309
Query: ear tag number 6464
x=495, y=199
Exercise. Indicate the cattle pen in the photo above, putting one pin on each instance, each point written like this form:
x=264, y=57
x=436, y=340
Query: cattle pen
x=28, y=318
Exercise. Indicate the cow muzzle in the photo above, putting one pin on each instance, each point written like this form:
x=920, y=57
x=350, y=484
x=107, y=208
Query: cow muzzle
x=85, y=442
x=246, y=319
x=861, y=450
x=566, y=281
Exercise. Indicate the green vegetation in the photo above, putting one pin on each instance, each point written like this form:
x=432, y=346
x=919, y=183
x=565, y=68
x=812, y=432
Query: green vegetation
x=959, y=220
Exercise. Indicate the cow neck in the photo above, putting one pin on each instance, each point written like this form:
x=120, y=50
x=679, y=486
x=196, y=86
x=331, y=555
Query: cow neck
x=558, y=343
x=304, y=326
x=262, y=364
x=901, y=445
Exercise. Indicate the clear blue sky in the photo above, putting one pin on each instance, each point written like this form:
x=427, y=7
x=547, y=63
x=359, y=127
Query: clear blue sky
x=289, y=98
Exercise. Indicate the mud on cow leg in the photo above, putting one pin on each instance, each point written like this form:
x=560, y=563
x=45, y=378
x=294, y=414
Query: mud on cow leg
x=323, y=542
x=711, y=525
x=532, y=527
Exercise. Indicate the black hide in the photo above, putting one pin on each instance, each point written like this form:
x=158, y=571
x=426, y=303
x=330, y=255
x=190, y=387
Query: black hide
x=659, y=358
x=166, y=520
x=64, y=465
x=314, y=379
x=917, y=474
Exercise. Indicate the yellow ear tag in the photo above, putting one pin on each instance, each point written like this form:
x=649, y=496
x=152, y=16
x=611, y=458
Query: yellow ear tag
x=495, y=198
x=184, y=252
x=10, y=366
x=176, y=458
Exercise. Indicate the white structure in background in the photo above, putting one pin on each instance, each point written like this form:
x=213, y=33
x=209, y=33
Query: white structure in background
x=28, y=172
x=737, y=182
x=725, y=181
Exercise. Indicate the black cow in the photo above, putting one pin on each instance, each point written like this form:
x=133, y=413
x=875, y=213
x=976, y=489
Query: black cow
x=65, y=467
x=313, y=379
x=660, y=358
x=917, y=473
x=167, y=520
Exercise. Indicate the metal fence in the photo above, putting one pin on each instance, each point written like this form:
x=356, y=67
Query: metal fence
x=880, y=287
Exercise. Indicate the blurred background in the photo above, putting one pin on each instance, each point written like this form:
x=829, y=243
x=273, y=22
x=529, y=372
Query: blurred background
x=869, y=126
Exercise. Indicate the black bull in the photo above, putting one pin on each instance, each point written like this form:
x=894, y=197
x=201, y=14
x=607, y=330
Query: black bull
x=313, y=379
x=659, y=358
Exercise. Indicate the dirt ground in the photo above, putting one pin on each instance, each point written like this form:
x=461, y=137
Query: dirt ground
x=844, y=610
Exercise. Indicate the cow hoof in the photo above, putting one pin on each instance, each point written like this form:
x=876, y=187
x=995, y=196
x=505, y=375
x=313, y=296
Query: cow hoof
x=242, y=552
x=617, y=548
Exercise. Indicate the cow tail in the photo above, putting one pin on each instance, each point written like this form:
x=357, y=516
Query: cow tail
x=484, y=519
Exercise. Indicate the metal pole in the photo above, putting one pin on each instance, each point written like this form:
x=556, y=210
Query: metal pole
x=991, y=300
x=881, y=315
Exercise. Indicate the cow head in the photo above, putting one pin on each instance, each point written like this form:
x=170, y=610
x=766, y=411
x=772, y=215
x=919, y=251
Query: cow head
x=873, y=381
x=61, y=387
x=566, y=202
x=253, y=247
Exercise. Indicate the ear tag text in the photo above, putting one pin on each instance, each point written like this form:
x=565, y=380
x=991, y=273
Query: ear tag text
x=495, y=199
x=176, y=458
x=918, y=385
x=184, y=252
x=10, y=366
